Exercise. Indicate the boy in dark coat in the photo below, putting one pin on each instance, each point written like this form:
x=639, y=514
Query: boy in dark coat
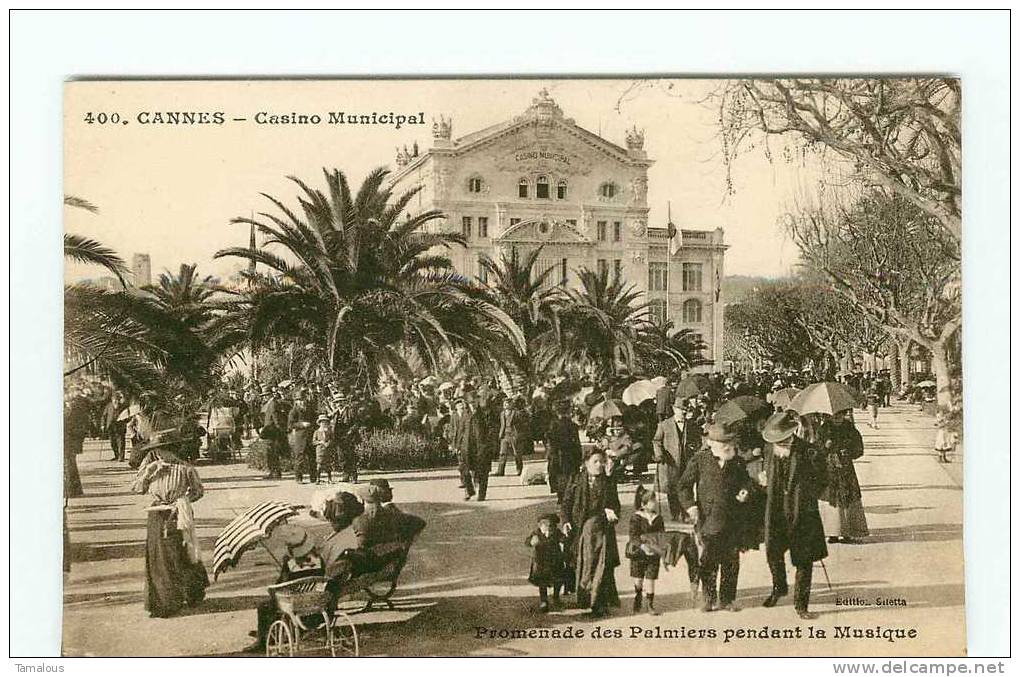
x=644, y=559
x=547, y=561
x=794, y=477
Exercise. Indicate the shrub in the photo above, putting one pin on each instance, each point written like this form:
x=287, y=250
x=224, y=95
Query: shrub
x=399, y=450
x=256, y=457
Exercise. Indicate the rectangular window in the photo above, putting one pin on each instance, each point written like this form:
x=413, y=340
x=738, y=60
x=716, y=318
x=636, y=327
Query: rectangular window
x=602, y=266
x=692, y=277
x=522, y=189
x=657, y=310
x=561, y=191
x=572, y=222
x=617, y=268
x=514, y=222
x=657, y=276
x=616, y=231
x=465, y=227
x=563, y=272
x=483, y=226
x=601, y=231
x=542, y=190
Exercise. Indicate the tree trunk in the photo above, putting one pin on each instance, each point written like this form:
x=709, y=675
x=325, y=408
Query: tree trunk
x=940, y=368
x=903, y=350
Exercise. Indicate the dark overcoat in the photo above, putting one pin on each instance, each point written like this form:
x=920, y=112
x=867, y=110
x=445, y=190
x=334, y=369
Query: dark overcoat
x=714, y=490
x=564, y=452
x=469, y=440
x=804, y=484
x=547, y=559
x=842, y=445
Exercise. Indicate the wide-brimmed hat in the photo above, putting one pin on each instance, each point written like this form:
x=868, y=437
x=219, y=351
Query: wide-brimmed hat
x=321, y=418
x=299, y=543
x=780, y=426
x=720, y=433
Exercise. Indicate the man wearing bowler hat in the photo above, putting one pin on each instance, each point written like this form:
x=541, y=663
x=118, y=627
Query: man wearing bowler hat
x=711, y=487
x=794, y=476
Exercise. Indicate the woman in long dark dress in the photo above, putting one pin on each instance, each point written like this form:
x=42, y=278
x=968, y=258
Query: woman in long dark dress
x=589, y=512
x=174, y=574
x=841, y=508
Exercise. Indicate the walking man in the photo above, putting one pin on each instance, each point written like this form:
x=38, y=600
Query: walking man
x=794, y=477
x=115, y=428
x=514, y=435
x=712, y=486
x=274, y=424
x=563, y=453
x=469, y=441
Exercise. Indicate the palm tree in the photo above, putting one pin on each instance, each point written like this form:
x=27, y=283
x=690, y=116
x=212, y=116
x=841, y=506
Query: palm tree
x=362, y=283
x=515, y=285
x=598, y=325
x=185, y=295
x=663, y=349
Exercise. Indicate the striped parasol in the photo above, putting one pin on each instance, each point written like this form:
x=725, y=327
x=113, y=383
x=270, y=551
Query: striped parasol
x=245, y=531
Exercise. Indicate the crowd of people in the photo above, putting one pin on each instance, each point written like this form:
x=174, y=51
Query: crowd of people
x=771, y=480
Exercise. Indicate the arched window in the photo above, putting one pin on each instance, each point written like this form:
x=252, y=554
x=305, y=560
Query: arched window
x=542, y=187
x=561, y=189
x=692, y=311
x=475, y=184
x=522, y=188
x=608, y=190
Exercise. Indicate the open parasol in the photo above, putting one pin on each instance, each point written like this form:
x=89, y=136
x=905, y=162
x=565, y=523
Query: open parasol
x=607, y=409
x=640, y=391
x=827, y=397
x=692, y=386
x=740, y=408
x=247, y=530
x=783, y=398
x=926, y=384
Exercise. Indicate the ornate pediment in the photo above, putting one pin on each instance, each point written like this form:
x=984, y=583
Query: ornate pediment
x=541, y=231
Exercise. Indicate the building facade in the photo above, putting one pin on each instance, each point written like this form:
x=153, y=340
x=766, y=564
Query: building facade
x=540, y=180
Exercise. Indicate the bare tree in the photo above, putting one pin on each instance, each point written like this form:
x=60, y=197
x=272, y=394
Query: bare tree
x=901, y=134
x=887, y=258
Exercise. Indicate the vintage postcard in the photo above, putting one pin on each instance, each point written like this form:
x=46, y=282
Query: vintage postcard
x=513, y=367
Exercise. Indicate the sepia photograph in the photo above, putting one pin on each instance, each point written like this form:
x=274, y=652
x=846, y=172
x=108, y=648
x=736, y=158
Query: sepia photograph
x=513, y=367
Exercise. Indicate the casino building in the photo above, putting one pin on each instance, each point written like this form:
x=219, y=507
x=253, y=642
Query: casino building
x=541, y=180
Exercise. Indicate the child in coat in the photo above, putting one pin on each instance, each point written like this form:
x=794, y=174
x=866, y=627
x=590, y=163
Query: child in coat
x=644, y=559
x=547, y=562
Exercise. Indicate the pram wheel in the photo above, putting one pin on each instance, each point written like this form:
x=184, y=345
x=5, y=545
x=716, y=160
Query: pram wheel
x=280, y=639
x=343, y=637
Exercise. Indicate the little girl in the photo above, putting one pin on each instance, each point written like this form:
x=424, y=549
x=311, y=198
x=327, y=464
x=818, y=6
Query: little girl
x=322, y=440
x=547, y=566
x=644, y=560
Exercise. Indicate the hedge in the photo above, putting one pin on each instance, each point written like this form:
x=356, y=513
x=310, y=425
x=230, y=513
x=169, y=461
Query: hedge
x=378, y=450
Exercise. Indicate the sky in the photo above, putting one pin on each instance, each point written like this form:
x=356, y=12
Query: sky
x=171, y=190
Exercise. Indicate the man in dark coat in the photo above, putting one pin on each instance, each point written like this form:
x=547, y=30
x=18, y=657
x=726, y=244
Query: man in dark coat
x=714, y=483
x=274, y=428
x=563, y=452
x=470, y=441
x=115, y=428
x=794, y=477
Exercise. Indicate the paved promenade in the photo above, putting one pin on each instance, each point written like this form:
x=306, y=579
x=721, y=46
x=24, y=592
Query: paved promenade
x=468, y=571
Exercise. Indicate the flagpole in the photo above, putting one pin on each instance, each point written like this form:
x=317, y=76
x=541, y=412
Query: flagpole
x=669, y=252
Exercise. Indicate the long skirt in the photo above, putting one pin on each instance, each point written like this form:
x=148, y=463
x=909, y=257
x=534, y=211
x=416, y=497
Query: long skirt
x=596, y=559
x=846, y=521
x=172, y=580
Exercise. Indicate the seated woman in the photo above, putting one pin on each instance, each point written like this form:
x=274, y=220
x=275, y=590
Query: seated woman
x=302, y=560
x=379, y=532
